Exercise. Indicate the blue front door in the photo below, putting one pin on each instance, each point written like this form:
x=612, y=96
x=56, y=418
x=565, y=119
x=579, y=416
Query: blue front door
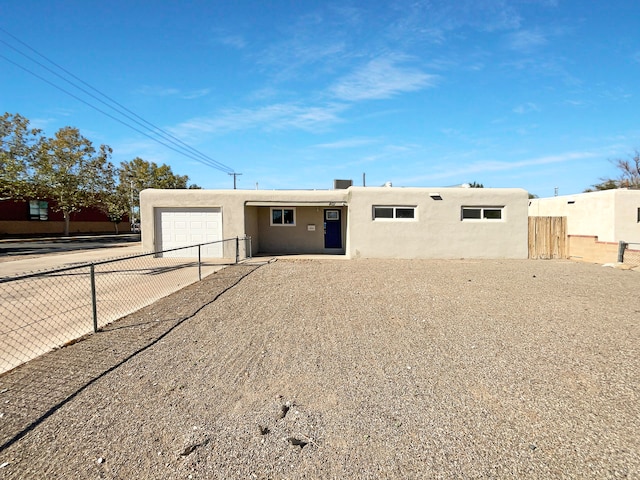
x=332, y=229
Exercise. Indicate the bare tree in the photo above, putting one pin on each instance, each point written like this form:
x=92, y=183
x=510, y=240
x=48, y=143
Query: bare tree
x=629, y=171
x=629, y=174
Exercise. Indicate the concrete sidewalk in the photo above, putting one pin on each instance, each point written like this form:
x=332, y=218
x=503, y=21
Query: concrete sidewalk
x=18, y=266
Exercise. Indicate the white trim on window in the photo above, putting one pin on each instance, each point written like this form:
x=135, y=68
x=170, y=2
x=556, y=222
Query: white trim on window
x=482, y=214
x=282, y=216
x=38, y=210
x=401, y=213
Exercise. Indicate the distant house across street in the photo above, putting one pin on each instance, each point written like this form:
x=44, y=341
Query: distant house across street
x=38, y=217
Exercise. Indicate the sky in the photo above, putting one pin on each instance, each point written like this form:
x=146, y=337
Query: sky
x=536, y=94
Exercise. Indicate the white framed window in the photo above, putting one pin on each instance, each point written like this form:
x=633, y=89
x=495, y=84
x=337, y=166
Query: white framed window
x=332, y=215
x=283, y=217
x=38, y=210
x=482, y=213
x=383, y=212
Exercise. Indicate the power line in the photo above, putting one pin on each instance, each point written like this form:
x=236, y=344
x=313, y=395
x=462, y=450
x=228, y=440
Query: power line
x=167, y=136
x=103, y=112
x=178, y=145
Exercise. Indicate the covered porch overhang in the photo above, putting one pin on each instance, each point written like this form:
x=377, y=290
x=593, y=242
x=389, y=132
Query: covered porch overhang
x=287, y=203
x=316, y=226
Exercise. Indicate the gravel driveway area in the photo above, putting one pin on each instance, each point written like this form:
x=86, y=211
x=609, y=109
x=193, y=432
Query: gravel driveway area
x=346, y=369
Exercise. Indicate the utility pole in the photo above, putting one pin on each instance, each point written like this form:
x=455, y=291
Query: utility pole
x=132, y=219
x=234, y=178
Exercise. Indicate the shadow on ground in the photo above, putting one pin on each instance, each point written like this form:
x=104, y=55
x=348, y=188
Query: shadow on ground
x=32, y=392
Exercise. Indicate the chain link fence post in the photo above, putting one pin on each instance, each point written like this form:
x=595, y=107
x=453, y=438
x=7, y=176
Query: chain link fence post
x=621, y=247
x=48, y=309
x=94, y=301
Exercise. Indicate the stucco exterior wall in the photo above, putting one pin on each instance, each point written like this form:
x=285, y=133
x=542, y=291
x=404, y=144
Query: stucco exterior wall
x=232, y=210
x=251, y=227
x=294, y=239
x=438, y=231
x=239, y=216
x=610, y=215
x=627, y=224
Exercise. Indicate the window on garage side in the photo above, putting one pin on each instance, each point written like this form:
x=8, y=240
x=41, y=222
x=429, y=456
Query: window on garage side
x=283, y=216
x=38, y=210
x=482, y=213
x=381, y=212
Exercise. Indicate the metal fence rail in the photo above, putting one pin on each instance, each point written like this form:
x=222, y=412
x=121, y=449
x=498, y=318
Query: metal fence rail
x=630, y=253
x=45, y=310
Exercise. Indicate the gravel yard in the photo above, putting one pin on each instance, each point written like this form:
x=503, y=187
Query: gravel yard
x=336, y=368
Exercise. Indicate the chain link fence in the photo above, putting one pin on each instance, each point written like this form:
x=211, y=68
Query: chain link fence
x=630, y=253
x=45, y=310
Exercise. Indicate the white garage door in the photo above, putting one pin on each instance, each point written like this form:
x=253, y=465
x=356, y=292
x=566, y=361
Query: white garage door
x=179, y=227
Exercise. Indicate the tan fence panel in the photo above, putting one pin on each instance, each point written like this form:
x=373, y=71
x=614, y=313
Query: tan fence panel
x=548, y=237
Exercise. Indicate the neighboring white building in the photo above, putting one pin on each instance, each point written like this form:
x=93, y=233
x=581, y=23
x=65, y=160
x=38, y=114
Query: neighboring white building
x=367, y=222
x=596, y=222
x=609, y=215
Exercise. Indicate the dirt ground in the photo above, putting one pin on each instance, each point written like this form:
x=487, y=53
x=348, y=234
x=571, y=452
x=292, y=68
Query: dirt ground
x=346, y=369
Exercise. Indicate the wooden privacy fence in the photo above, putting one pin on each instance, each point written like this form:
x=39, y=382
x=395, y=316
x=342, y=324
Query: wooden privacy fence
x=548, y=237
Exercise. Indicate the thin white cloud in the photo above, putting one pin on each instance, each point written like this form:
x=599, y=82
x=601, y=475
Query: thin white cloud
x=526, y=40
x=616, y=94
x=498, y=166
x=560, y=158
x=270, y=117
x=263, y=94
x=235, y=41
x=381, y=78
x=576, y=103
x=157, y=91
x=311, y=46
x=390, y=154
x=348, y=143
x=222, y=36
x=528, y=107
x=434, y=20
x=203, y=92
x=301, y=57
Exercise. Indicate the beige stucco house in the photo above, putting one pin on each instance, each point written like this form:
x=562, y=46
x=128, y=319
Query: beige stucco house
x=367, y=222
x=596, y=221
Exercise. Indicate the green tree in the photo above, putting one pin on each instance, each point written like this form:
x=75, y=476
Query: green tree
x=19, y=145
x=139, y=174
x=114, y=201
x=475, y=185
x=608, y=184
x=70, y=171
